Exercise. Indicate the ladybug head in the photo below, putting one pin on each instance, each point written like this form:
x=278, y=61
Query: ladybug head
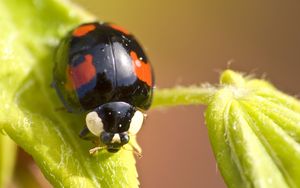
x=114, y=122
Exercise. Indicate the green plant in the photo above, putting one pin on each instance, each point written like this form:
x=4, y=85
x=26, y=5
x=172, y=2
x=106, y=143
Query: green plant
x=51, y=137
x=254, y=131
x=253, y=128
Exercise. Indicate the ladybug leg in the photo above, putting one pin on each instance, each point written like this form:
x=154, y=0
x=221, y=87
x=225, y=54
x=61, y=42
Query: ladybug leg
x=84, y=133
x=52, y=85
x=95, y=149
x=134, y=150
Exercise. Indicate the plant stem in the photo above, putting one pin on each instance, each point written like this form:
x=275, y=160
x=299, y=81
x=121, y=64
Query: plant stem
x=8, y=151
x=193, y=95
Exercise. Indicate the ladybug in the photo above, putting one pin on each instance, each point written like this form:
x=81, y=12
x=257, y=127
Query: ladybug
x=101, y=70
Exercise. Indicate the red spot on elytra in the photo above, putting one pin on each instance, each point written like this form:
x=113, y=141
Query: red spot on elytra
x=83, y=30
x=141, y=69
x=81, y=74
x=116, y=27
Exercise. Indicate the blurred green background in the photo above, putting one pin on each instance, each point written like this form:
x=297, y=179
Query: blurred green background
x=190, y=42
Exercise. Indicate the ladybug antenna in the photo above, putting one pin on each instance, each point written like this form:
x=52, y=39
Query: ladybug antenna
x=95, y=149
x=135, y=152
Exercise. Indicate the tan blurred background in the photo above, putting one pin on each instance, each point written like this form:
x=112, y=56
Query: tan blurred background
x=190, y=42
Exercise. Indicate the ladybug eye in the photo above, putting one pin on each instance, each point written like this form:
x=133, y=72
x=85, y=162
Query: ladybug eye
x=94, y=123
x=136, y=123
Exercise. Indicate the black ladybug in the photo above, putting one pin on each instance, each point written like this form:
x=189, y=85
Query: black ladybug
x=101, y=69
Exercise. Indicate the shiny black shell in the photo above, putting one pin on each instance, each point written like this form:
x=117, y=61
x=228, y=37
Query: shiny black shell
x=100, y=63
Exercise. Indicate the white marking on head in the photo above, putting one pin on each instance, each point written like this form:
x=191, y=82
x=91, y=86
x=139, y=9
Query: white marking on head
x=94, y=123
x=136, y=122
x=116, y=138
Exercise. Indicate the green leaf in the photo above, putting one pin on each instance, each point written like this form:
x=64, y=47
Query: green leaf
x=8, y=151
x=254, y=131
x=30, y=32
